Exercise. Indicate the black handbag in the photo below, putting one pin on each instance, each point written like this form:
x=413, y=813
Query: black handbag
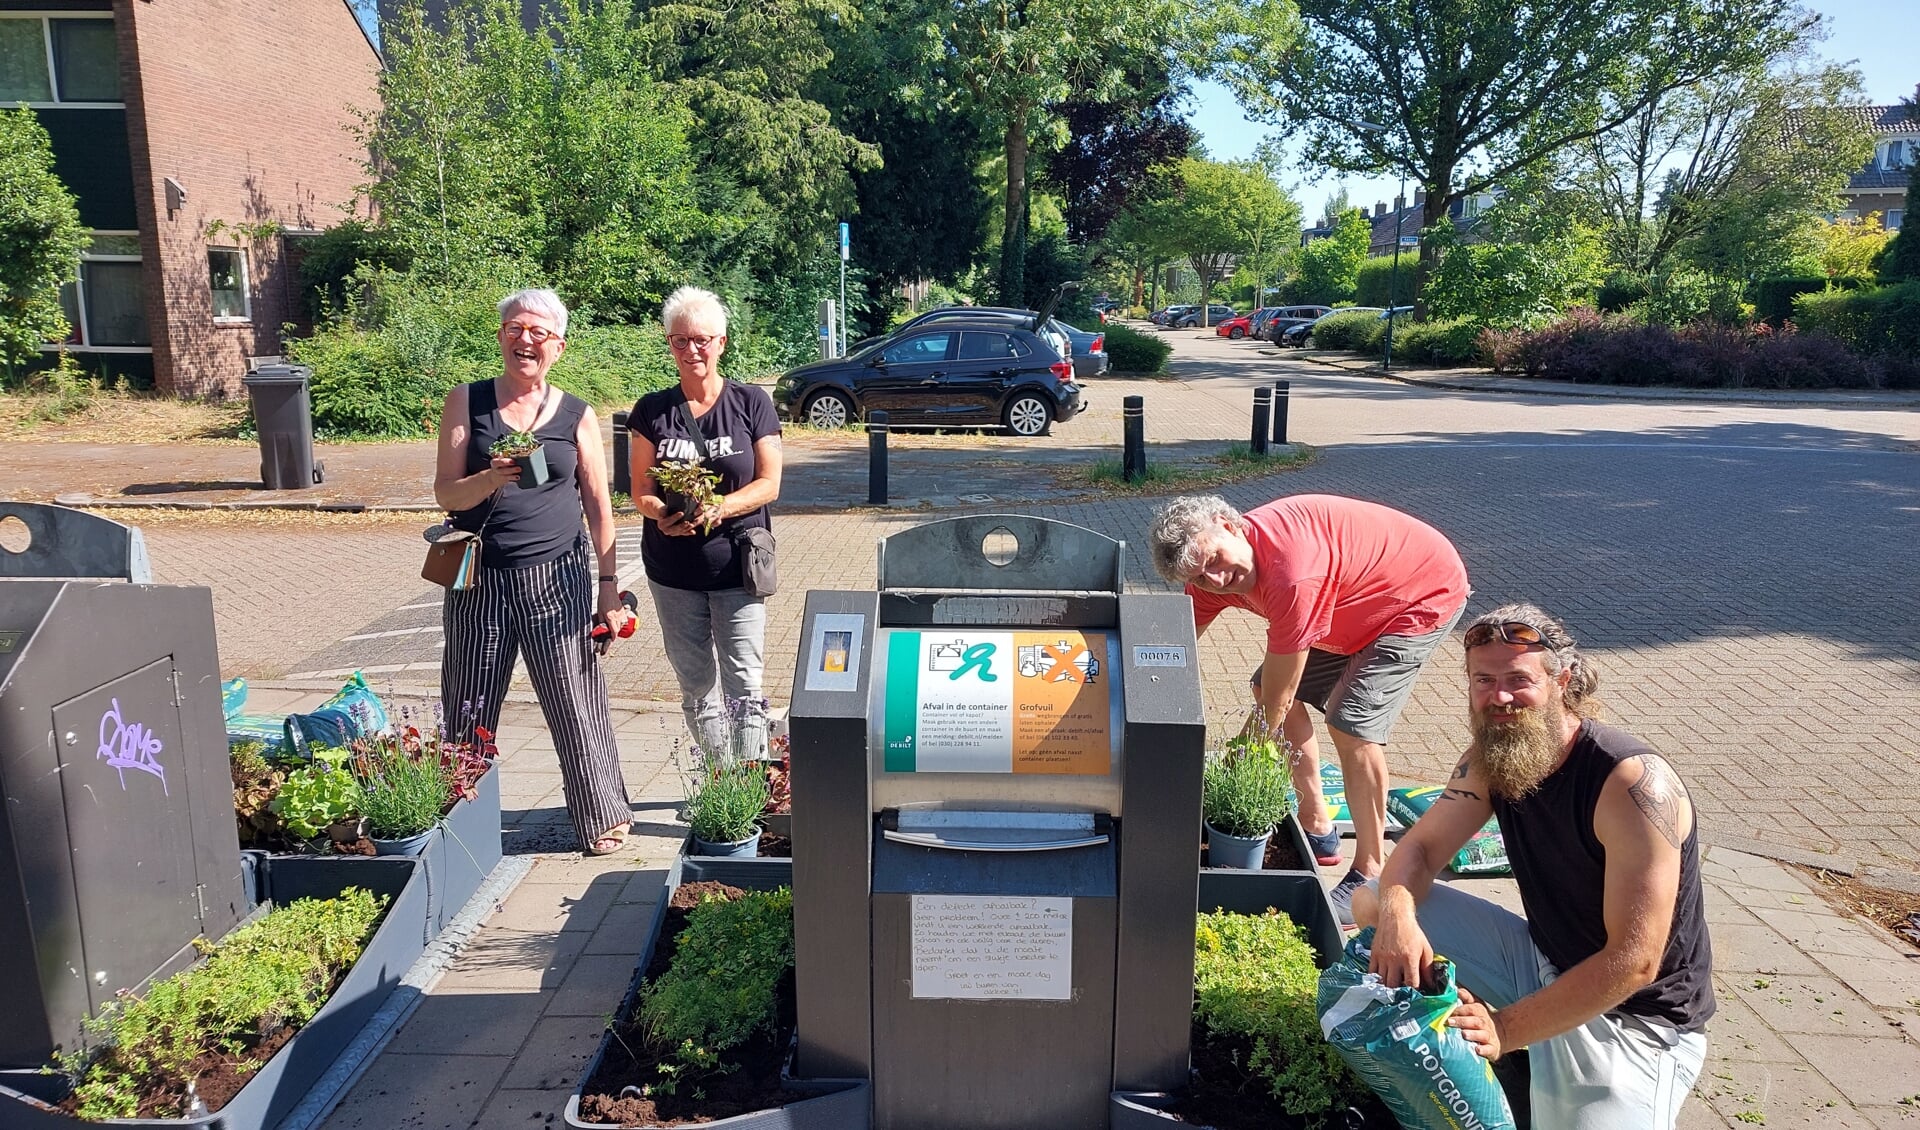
x=753, y=546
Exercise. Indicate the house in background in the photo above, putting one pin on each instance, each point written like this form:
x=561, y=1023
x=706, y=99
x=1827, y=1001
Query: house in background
x=203, y=139
x=1882, y=186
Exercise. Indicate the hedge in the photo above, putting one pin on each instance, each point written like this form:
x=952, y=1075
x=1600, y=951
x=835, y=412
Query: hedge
x=1130, y=351
x=1344, y=331
x=1882, y=323
x=1773, y=298
x=1377, y=280
x=1446, y=341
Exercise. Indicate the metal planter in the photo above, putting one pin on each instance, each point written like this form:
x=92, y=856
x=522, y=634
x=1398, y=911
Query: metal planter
x=843, y=1104
x=284, y=1081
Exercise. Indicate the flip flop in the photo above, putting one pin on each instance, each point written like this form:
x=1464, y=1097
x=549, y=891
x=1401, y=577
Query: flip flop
x=618, y=836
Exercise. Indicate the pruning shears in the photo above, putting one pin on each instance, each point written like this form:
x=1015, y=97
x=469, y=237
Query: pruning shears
x=603, y=632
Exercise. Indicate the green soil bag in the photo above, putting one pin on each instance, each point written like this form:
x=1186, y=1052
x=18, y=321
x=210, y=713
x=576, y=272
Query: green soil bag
x=353, y=712
x=1334, y=786
x=1484, y=854
x=1398, y=1041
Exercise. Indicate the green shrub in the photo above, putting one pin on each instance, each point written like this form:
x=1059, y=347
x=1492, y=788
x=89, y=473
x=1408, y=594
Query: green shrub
x=315, y=798
x=1378, y=280
x=275, y=972
x=726, y=804
x=1255, y=980
x=722, y=986
x=1884, y=322
x=401, y=794
x=1446, y=341
x=1130, y=351
x=1621, y=290
x=1246, y=791
x=1773, y=298
x=1345, y=331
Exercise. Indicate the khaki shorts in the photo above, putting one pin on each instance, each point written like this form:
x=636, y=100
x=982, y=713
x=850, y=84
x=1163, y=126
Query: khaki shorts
x=1363, y=694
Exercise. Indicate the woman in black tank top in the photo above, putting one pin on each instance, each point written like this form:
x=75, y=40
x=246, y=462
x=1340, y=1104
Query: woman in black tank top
x=537, y=595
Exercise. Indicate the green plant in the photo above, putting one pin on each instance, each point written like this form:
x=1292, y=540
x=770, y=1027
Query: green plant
x=402, y=793
x=1884, y=321
x=1130, y=351
x=41, y=238
x=724, y=805
x=316, y=797
x=1344, y=331
x=1245, y=788
x=515, y=445
x=721, y=987
x=692, y=480
x=263, y=977
x=248, y=757
x=1255, y=981
x=1446, y=341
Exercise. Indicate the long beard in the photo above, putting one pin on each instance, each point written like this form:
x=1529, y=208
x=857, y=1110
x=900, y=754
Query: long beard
x=1516, y=753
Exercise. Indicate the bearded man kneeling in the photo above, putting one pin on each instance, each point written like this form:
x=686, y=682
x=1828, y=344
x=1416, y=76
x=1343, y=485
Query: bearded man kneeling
x=1608, y=980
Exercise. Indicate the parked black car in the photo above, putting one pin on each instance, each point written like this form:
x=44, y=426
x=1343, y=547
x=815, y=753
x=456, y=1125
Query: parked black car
x=1215, y=315
x=953, y=372
x=1086, y=350
x=1166, y=314
x=1287, y=317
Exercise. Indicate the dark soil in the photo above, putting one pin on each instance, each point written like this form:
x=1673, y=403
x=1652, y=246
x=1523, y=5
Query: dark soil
x=775, y=847
x=1282, y=855
x=754, y=1085
x=1226, y=1096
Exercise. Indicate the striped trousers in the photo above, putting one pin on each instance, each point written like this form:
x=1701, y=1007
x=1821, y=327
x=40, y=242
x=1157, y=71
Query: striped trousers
x=541, y=613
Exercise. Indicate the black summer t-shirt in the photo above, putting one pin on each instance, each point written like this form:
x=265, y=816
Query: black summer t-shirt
x=743, y=415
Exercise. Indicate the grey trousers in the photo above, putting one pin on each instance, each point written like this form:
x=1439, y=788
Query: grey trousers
x=541, y=613
x=716, y=642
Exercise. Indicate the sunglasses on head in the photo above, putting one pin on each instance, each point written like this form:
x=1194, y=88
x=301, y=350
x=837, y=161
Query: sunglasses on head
x=1515, y=632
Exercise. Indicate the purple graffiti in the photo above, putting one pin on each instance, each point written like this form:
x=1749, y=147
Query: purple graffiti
x=130, y=747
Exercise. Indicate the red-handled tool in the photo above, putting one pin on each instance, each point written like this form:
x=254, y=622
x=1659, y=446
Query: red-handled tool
x=602, y=631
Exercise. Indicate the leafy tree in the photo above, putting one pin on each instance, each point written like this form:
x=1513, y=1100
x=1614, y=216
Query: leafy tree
x=1224, y=210
x=1137, y=240
x=1113, y=147
x=1902, y=260
x=1848, y=247
x=1330, y=267
x=40, y=240
x=1470, y=92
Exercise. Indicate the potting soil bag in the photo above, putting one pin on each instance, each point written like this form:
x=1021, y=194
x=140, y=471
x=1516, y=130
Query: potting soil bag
x=233, y=696
x=1484, y=854
x=1399, y=1042
x=354, y=712
x=269, y=730
x=1334, y=787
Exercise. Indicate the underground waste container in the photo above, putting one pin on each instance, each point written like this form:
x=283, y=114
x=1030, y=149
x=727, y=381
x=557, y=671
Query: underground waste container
x=283, y=416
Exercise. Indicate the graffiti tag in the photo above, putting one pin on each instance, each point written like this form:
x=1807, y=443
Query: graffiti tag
x=127, y=747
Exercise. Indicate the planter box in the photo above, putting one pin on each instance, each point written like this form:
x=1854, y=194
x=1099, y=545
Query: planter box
x=284, y=1081
x=1288, y=831
x=843, y=1104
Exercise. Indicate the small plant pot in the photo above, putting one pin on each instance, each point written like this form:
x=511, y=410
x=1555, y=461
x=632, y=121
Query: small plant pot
x=533, y=467
x=1244, y=852
x=409, y=845
x=748, y=847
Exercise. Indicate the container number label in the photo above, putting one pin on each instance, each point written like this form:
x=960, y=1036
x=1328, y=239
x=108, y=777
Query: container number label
x=1164, y=655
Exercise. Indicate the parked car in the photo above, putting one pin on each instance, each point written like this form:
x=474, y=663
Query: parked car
x=1086, y=350
x=1215, y=314
x=1166, y=314
x=1286, y=316
x=1257, y=321
x=950, y=373
x=1297, y=335
x=1089, y=350
x=1242, y=326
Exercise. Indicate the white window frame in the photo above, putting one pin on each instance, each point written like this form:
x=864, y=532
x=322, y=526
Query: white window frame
x=46, y=19
x=246, y=290
x=1893, y=218
x=85, y=345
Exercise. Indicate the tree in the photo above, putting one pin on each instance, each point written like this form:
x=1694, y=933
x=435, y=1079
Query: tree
x=1113, y=146
x=1740, y=161
x=1224, y=210
x=1471, y=92
x=1902, y=261
x=1330, y=267
x=40, y=240
x=1848, y=248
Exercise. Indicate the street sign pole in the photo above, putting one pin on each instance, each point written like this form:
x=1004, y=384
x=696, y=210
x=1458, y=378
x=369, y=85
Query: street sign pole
x=845, y=244
x=1393, y=279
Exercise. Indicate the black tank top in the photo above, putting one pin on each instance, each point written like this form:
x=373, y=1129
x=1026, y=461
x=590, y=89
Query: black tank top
x=524, y=525
x=1561, y=868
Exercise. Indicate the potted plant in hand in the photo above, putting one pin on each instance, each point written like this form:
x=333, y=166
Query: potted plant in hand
x=689, y=486
x=1244, y=792
x=525, y=449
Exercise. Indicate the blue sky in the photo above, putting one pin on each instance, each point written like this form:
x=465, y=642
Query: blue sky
x=1865, y=32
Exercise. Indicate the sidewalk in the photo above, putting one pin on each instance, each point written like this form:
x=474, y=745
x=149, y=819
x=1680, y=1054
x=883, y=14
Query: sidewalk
x=1818, y=1024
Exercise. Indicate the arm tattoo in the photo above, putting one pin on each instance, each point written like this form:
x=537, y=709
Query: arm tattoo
x=1460, y=772
x=1459, y=794
x=1659, y=792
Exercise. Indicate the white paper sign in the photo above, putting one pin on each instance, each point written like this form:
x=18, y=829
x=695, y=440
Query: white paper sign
x=989, y=947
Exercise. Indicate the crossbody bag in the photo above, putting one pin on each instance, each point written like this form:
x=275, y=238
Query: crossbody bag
x=753, y=546
x=453, y=556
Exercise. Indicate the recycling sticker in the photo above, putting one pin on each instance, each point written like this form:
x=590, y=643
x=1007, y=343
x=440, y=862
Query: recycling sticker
x=997, y=702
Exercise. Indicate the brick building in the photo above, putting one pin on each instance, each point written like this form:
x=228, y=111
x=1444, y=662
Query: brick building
x=1881, y=187
x=204, y=139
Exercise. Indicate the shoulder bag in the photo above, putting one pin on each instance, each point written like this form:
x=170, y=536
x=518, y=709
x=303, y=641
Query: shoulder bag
x=453, y=556
x=753, y=546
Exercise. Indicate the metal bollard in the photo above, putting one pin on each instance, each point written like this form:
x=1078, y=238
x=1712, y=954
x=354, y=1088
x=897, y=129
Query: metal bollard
x=622, y=471
x=1133, y=453
x=1281, y=391
x=1262, y=410
x=876, y=459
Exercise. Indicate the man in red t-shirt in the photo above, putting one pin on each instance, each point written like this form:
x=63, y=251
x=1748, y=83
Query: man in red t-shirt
x=1356, y=597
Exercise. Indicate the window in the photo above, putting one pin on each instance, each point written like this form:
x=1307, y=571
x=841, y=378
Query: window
x=227, y=272
x=919, y=348
x=1894, y=216
x=107, y=306
x=986, y=345
x=50, y=62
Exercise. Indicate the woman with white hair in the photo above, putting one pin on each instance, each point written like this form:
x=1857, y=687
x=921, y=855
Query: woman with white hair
x=535, y=597
x=712, y=623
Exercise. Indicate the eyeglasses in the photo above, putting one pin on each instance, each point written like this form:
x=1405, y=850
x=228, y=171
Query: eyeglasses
x=538, y=335
x=683, y=343
x=1515, y=632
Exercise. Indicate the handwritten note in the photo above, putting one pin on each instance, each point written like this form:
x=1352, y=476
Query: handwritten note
x=125, y=746
x=987, y=947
